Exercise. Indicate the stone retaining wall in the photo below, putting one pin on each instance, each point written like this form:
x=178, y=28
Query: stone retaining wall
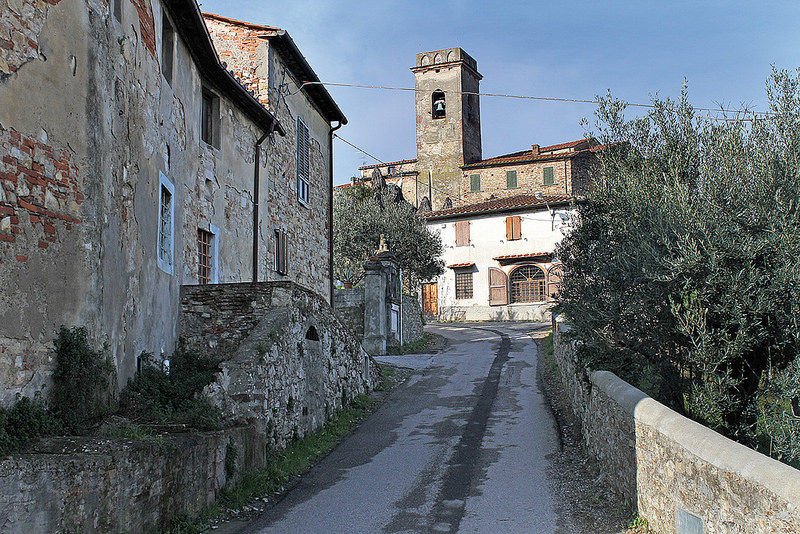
x=349, y=305
x=118, y=485
x=682, y=476
x=288, y=362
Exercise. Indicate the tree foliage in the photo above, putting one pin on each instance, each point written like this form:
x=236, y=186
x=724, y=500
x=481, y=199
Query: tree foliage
x=361, y=215
x=683, y=276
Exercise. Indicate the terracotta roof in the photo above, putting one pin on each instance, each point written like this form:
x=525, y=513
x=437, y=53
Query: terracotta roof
x=516, y=202
x=249, y=25
x=401, y=162
x=545, y=153
x=342, y=185
x=460, y=265
x=522, y=256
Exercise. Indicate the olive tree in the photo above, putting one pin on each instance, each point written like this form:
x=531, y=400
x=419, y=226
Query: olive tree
x=683, y=276
x=361, y=215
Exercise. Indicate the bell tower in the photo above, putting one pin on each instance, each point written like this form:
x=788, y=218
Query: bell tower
x=447, y=84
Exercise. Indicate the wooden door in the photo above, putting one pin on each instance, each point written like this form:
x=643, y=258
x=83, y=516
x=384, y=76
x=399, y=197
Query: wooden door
x=498, y=287
x=430, y=299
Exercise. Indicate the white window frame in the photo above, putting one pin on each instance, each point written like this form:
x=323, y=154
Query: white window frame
x=165, y=262
x=303, y=161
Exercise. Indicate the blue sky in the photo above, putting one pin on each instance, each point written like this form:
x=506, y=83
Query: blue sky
x=579, y=49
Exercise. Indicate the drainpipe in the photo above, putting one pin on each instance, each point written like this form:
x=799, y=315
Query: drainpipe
x=330, y=208
x=256, y=184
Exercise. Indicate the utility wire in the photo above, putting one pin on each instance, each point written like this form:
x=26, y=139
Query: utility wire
x=527, y=97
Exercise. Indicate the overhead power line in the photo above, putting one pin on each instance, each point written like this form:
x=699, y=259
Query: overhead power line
x=529, y=97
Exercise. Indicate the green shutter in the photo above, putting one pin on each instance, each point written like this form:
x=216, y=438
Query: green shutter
x=549, y=176
x=511, y=179
x=474, y=182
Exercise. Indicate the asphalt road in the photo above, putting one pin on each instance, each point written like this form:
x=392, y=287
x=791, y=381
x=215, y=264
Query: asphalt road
x=461, y=446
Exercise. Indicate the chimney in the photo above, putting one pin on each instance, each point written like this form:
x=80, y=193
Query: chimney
x=535, y=150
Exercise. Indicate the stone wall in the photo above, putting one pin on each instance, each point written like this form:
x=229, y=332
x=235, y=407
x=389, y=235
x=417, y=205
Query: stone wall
x=413, y=325
x=118, y=485
x=349, y=306
x=682, y=476
x=289, y=363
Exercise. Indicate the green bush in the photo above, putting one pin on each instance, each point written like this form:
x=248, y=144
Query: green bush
x=158, y=397
x=23, y=423
x=682, y=275
x=84, y=383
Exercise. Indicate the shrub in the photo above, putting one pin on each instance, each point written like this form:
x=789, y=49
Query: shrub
x=23, y=423
x=177, y=397
x=83, y=380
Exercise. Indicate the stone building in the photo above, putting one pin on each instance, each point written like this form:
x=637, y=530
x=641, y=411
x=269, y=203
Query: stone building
x=132, y=162
x=451, y=177
x=298, y=192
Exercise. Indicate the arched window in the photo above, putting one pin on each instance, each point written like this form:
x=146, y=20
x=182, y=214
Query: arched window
x=438, y=105
x=528, y=284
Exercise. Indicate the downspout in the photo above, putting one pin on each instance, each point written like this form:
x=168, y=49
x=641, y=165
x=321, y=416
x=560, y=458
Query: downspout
x=256, y=184
x=330, y=208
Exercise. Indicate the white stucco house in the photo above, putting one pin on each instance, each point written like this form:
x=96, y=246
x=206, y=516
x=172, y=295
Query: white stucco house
x=499, y=258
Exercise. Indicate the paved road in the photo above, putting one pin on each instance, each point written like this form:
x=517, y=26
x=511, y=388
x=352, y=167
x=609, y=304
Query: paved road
x=461, y=446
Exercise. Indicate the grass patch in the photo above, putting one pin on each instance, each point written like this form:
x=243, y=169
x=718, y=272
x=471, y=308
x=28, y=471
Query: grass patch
x=413, y=347
x=387, y=381
x=135, y=433
x=185, y=524
x=299, y=456
x=547, y=344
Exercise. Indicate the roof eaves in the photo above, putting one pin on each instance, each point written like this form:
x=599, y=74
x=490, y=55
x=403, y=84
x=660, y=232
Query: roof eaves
x=191, y=27
x=298, y=64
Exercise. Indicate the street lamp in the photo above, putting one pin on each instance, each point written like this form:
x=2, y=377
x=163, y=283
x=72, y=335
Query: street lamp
x=539, y=196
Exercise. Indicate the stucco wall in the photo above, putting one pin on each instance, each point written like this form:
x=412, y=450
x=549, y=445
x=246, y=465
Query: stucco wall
x=88, y=125
x=682, y=476
x=487, y=241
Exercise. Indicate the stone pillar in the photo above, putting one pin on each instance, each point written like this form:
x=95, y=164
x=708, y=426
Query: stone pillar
x=380, y=294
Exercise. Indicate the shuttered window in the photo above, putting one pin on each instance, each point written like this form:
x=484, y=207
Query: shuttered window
x=281, y=252
x=303, y=162
x=498, y=287
x=474, y=182
x=511, y=179
x=462, y=233
x=549, y=176
x=513, y=228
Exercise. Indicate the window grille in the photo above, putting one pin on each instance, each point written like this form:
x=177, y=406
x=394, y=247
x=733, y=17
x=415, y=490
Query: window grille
x=165, y=228
x=528, y=284
x=281, y=252
x=463, y=285
x=204, y=256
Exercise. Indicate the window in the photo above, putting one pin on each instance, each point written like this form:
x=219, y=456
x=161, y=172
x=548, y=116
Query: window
x=209, y=118
x=513, y=228
x=463, y=285
x=303, y=162
x=528, y=284
x=166, y=217
x=511, y=179
x=391, y=170
x=474, y=183
x=167, y=47
x=281, y=252
x=207, y=246
x=438, y=105
x=462, y=233
x=549, y=176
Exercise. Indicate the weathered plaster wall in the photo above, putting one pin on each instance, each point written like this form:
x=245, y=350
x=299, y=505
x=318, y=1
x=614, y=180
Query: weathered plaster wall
x=289, y=362
x=261, y=68
x=118, y=485
x=87, y=124
x=682, y=476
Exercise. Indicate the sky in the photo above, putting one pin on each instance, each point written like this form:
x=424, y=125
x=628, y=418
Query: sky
x=635, y=49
